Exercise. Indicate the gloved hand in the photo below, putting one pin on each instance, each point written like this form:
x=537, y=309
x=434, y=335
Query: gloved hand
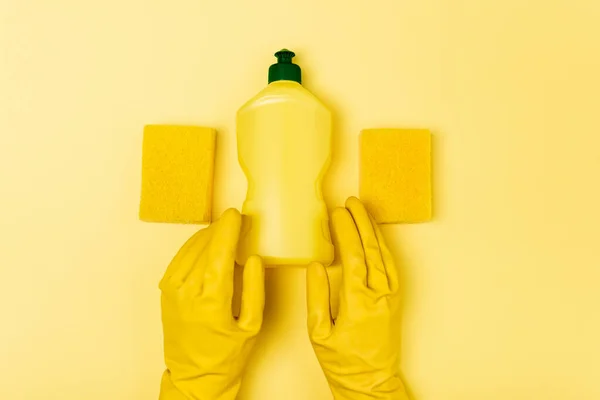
x=206, y=348
x=359, y=351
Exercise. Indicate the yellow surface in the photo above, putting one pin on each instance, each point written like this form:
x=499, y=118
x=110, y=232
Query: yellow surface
x=177, y=174
x=395, y=174
x=501, y=290
x=284, y=148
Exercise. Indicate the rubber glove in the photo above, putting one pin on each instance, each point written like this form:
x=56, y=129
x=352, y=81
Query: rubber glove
x=206, y=348
x=359, y=351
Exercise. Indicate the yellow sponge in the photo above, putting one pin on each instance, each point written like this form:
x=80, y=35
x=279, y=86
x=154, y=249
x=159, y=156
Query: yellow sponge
x=177, y=174
x=395, y=174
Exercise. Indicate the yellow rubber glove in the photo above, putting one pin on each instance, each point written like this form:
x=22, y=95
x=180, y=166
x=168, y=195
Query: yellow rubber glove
x=359, y=351
x=206, y=348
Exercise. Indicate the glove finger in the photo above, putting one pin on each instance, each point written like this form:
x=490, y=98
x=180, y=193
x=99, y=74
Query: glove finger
x=354, y=271
x=253, y=295
x=317, y=296
x=376, y=275
x=388, y=260
x=347, y=239
x=183, y=262
x=192, y=285
x=217, y=283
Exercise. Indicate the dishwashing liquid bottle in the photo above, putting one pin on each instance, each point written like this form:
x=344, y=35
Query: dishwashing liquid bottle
x=284, y=149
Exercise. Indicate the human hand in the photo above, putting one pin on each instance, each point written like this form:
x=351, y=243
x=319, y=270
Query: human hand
x=359, y=350
x=206, y=348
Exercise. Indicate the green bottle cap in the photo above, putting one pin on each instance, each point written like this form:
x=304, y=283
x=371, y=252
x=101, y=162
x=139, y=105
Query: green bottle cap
x=285, y=70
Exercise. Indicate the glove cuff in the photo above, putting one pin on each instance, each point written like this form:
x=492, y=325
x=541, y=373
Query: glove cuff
x=390, y=388
x=168, y=391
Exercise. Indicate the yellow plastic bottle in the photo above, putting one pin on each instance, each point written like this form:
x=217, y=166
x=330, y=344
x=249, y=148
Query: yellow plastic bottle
x=284, y=148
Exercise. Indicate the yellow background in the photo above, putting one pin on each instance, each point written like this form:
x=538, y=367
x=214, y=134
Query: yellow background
x=502, y=290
